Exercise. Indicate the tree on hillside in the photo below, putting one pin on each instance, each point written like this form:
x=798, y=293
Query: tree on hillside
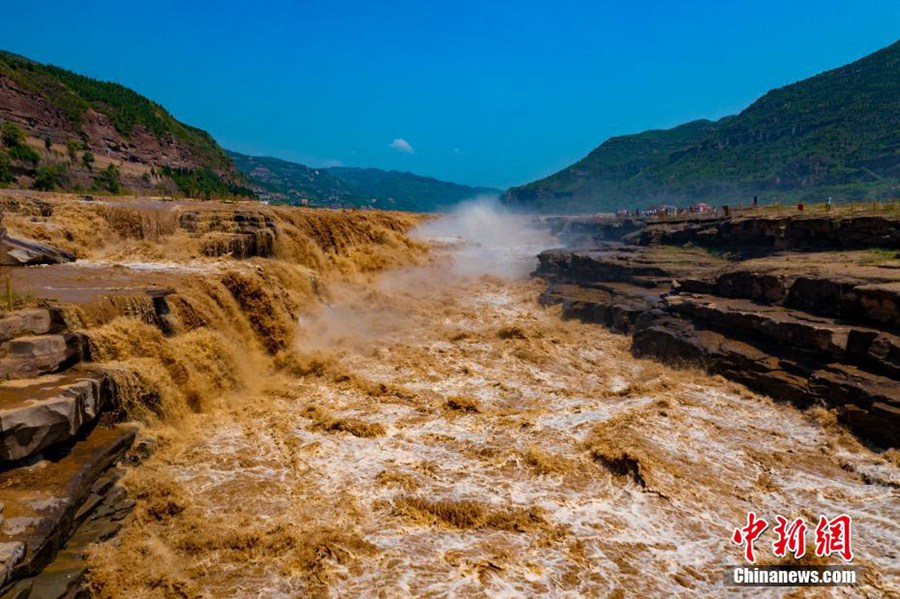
x=87, y=159
x=25, y=154
x=6, y=172
x=108, y=179
x=12, y=135
x=50, y=176
x=14, y=138
x=73, y=146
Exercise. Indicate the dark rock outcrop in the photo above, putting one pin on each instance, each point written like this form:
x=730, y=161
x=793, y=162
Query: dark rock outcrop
x=847, y=232
x=614, y=284
x=585, y=231
x=39, y=413
x=19, y=251
x=32, y=356
x=45, y=502
x=615, y=305
x=812, y=328
x=26, y=252
x=25, y=322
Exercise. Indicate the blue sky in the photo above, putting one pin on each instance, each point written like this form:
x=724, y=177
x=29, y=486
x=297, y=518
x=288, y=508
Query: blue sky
x=491, y=93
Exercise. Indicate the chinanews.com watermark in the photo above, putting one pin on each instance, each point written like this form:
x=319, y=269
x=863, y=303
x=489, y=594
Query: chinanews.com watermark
x=791, y=576
x=831, y=538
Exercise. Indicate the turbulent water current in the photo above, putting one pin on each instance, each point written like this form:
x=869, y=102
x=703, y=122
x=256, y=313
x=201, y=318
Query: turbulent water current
x=438, y=433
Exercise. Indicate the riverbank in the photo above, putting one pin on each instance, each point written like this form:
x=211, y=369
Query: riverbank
x=804, y=309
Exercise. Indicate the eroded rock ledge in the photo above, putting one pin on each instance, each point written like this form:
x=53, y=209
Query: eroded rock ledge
x=811, y=327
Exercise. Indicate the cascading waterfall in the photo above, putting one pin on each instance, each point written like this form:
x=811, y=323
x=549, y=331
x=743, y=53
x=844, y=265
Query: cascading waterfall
x=355, y=415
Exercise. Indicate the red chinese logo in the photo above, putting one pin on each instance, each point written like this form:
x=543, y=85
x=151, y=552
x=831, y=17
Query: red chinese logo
x=791, y=538
x=749, y=534
x=832, y=537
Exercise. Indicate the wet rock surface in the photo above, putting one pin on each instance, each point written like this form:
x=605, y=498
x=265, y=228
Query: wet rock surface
x=57, y=484
x=27, y=252
x=236, y=233
x=25, y=322
x=814, y=328
x=21, y=251
x=38, y=413
x=68, y=496
x=35, y=355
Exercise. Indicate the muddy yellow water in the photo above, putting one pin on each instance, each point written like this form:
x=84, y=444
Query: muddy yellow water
x=433, y=431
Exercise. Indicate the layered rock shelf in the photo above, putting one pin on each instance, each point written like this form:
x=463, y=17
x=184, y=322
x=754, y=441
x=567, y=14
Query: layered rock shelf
x=758, y=301
x=847, y=232
x=47, y=502
x=238, y=233
x=58, y=491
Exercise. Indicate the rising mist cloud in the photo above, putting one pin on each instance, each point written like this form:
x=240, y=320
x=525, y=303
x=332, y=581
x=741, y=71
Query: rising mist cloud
x=488, y=239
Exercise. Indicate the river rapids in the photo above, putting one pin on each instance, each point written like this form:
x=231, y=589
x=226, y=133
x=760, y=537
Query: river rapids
x=436, y=432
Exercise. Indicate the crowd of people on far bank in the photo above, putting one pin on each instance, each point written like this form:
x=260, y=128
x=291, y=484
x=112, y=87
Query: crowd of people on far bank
x=702, y=209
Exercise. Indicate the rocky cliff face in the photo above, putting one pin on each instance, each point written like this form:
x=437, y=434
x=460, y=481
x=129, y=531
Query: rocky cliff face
x=813, y=328
x=65, y=115
x=41, y=119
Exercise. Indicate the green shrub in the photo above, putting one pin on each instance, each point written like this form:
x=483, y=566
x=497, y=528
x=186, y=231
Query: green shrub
x=14, y=138
x=109, y=180
x=6, y=172
x=87, y=159
x=26, y=154
x=12, y=135
x=50, y=176
x=73, y=146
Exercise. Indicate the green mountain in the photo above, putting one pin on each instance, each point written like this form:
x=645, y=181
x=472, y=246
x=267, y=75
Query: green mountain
x=287, y=182
x=836, y=134
x=64, y=116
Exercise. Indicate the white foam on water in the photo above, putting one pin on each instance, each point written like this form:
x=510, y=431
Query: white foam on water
x=704, y=454
x=193, y=266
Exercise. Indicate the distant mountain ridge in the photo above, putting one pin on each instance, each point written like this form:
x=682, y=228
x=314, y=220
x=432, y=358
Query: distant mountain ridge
x=63, y=131
x=79, y=127
x=837, y=133
x=340, y=186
